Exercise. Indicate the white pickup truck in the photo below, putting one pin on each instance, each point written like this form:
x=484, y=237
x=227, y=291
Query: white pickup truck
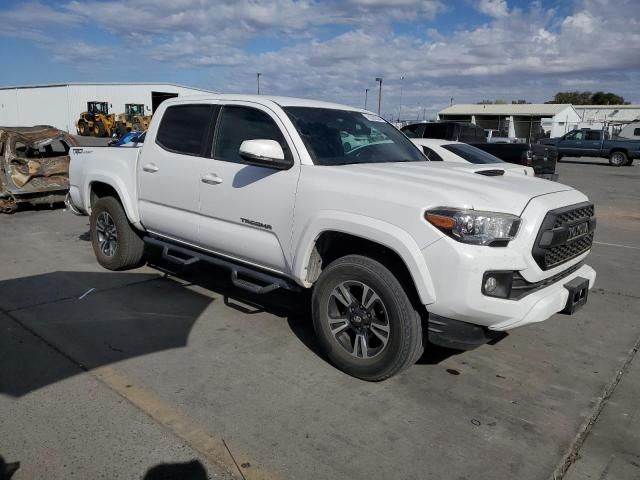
x=399, y=252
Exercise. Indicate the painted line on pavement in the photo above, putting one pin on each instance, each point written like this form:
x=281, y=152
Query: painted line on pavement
x=617, y=245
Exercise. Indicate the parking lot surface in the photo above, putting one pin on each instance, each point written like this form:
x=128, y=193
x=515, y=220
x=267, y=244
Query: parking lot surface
x=106, y=375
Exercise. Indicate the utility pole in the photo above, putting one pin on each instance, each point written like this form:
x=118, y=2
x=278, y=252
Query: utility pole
x=366, y=95
x=258, y=77
x=379, y=80
x=401, y=85
x=451, y=101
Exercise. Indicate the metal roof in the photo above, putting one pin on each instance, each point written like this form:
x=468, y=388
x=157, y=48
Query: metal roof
x=537, y=109
x=50, y=85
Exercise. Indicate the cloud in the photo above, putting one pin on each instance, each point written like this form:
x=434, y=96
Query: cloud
x=493, y=8
x=335, y=49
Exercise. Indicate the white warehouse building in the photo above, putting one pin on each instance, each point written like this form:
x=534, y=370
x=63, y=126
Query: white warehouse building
x=60, y=105
x=524, y=120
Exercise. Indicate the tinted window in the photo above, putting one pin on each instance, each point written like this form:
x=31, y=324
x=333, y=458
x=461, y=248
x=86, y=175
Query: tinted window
x=636, y=132
x=593, y=135
x=439, y=130
x=342, y=137
x=413, y=131
x=243, y=123
x=185, y=129
x=431, y=155
x=471, y=154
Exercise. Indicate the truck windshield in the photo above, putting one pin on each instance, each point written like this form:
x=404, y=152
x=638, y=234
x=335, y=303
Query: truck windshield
x=342, y=137
x=471, y=154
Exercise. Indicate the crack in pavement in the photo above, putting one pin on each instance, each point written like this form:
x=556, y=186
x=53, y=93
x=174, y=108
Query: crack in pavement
x=584, y=431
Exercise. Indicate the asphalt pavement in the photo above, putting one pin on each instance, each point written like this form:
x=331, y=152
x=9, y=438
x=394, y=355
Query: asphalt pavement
x=119, y=375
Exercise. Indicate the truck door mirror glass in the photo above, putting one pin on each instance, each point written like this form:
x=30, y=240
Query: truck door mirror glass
x=264, y=153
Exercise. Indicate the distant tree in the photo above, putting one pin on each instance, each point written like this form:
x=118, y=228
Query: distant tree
x=499, y=102
x=588, y=98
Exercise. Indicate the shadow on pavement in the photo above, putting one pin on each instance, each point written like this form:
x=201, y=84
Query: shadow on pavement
x=193, y=470
x=126, y=315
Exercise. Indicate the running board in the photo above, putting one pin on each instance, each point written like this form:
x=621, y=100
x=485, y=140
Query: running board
x=184, y=256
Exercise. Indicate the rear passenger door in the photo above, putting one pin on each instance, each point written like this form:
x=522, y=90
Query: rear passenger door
x=247, y=211
x=169, y=171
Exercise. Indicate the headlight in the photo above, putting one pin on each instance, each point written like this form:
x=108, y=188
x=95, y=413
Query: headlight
x=473, y=226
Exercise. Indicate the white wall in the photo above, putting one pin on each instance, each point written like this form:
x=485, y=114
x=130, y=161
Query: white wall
x=61, y=106
x=564, y=121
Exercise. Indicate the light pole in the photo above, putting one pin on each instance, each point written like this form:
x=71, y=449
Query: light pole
x=401, y=85
x=451, y=101
x=379, y=80
x=366, y=95
x=258, y=77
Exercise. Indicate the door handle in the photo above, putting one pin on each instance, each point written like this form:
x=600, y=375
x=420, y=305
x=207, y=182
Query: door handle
x=150, y=167
x=211, y=179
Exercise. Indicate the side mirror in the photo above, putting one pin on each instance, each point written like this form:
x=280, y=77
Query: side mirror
x=264, y=153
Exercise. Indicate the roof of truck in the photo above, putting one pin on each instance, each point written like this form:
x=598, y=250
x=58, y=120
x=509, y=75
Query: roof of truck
x=281, y=101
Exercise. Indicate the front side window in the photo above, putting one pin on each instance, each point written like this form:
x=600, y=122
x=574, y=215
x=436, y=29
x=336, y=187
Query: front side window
x=244, y=123
x=342, y=137
x=413, y=131
x=471, y=154
x=185, y=129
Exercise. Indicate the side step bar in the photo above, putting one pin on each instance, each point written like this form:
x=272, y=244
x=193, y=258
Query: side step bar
x=184, y=256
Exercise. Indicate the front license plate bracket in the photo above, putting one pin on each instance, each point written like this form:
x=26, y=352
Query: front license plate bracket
x=578, y=293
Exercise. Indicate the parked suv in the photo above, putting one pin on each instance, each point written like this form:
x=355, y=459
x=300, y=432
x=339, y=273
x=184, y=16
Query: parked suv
x=397, y=252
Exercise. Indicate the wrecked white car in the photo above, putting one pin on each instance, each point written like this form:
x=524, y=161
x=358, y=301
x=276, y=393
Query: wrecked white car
x=34, y=166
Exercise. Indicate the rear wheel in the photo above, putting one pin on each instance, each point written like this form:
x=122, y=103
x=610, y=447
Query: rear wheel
x=116, y=244
x=98, y=130
x=364, y=320
x=618, y=159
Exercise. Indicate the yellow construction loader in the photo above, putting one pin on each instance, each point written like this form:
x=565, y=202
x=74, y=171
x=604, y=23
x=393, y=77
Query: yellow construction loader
x=96, y=121
x=133, y=119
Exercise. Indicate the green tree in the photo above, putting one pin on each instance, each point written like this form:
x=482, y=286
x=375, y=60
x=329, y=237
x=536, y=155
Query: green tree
x=588, y=98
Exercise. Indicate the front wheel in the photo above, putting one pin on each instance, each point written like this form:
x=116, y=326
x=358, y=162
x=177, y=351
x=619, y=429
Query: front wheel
x=116, y=244
x=618, y=159
x=365, y=322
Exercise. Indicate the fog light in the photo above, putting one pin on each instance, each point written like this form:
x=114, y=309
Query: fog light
x=490, y=284
x=497, y=284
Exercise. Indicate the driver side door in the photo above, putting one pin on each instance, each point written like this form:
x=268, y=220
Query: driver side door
x=246, y=211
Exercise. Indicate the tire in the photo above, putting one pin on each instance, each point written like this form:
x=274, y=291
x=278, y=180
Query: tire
x=82, y=129
x=629, y=162
x=98, y=130
x=116, y=244
x=391, y=316
x=618, y=159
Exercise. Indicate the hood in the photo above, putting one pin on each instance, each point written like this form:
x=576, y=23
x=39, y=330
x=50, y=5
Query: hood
x=454, y=184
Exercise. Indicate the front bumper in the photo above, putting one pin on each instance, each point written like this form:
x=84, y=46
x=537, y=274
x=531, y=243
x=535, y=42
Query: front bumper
x=458, y=269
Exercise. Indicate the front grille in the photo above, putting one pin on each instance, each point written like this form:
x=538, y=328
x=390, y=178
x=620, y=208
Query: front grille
x=563, y=253
x=566, y=233
x=583, y=213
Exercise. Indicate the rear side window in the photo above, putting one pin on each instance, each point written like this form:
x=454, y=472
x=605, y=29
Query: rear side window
x=442, y=131
x=471, y=154
x=593, y=136
x=431, y=155
x=244, y=123
x=185, y=129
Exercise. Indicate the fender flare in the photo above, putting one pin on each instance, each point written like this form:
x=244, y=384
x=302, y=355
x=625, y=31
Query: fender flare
x=123, y=193
x=372, y=229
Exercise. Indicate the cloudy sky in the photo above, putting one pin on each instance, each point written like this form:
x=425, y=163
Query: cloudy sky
x=333, y=49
